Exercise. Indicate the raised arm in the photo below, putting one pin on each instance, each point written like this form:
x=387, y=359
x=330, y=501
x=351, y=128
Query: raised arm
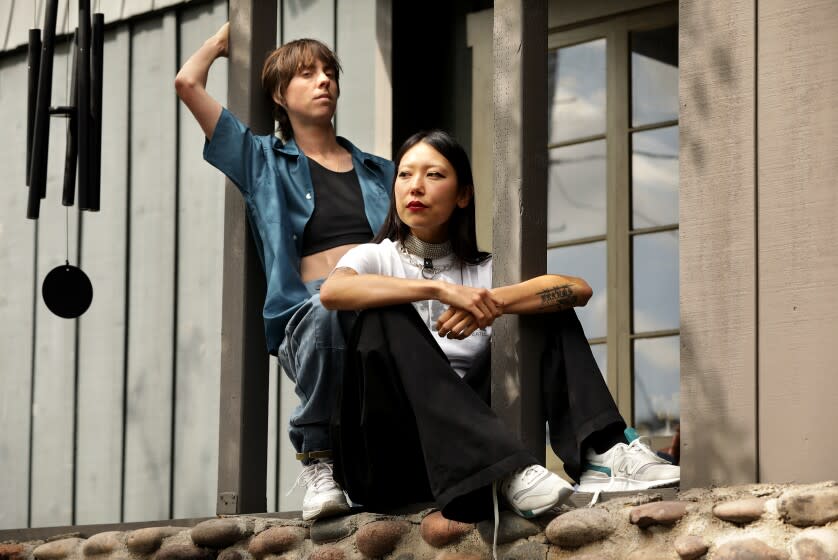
x=544, y=294
x=191, y=81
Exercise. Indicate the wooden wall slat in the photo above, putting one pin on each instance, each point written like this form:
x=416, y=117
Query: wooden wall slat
x=798, y=239
x=356, y=46
x=200, y=248
x=55, y=338
x=22, y=14
x=152, y=254
x=717, y=250
x=17, y=283
x=275, y=434
x=313, y=19
x=102, y=328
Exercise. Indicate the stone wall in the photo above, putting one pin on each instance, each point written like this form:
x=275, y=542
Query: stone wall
x=790, y=522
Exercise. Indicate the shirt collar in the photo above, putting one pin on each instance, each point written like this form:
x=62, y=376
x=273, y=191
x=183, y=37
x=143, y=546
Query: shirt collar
x=290, y=148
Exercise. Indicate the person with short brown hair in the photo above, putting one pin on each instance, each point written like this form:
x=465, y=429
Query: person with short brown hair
x=310, y=196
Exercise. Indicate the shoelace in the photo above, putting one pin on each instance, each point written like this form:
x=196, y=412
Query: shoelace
x=642, y=445
x=316, y=475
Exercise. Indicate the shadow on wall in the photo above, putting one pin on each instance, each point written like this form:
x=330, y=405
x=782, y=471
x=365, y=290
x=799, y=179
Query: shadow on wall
x=718, y=337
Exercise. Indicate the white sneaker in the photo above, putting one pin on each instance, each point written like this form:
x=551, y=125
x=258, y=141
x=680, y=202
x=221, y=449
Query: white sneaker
x=532, y=490
x=632, y=466
x=323, y=496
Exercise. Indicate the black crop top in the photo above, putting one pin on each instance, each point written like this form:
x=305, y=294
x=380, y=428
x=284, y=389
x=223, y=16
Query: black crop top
x=338, y=217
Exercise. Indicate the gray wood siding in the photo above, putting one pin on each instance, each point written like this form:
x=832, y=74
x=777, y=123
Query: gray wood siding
x=134, y=383
x=797, y=85
x=199, y=261
x=17, y=289
x=102, y=329
x=54, y=371
x=151, y=265
x=717, y=272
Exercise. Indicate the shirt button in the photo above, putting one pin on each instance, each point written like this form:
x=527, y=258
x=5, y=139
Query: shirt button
x=294, y=237
x=308, y=196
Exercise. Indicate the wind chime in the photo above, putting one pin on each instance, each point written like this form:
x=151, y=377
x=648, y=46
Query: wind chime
x=66, y=290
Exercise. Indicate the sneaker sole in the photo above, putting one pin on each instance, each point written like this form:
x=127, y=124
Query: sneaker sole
x=617, y=484
x=326, y=509
x=562, y=496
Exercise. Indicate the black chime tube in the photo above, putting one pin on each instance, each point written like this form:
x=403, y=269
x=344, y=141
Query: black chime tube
x=96, y=80
x=70, y=157
x=33, y=61
x=40, y=140
x=83, y=105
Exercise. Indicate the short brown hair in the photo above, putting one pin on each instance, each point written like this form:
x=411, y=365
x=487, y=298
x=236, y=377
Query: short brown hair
x=284, y=63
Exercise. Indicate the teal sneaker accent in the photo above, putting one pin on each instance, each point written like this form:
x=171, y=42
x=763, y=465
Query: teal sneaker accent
x=631, y=434
x=599, y=468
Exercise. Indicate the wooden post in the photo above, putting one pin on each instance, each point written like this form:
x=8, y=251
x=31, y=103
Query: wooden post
x=520, y=207
x=243, y=433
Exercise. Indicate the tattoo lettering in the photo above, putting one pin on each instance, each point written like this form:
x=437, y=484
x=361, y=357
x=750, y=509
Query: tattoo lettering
x=560, y=297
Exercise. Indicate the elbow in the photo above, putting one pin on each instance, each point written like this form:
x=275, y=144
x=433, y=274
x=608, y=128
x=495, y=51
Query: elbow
x=184, y=84
x=584, y=294
x=328, y=297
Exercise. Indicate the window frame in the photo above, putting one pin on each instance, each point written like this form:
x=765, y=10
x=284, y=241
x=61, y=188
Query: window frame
x=619, y=234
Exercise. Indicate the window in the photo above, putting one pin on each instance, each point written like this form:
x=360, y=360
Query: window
x=613, y=201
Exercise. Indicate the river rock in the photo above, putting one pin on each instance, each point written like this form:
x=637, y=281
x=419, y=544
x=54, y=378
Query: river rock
x=812, y=506
x=815, y=544
x=748, y=549
x=57, y=549
x=511, y=527
x=657, y=513
x=580, y=527
x=219, y=533
x=276, y=540
x=438, y=531
x=380, y=537
x=149, y=539
x=740, y=511
x=690, y=547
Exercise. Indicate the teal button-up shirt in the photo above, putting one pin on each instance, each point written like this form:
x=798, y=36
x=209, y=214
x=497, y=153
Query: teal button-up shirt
x=274, y=179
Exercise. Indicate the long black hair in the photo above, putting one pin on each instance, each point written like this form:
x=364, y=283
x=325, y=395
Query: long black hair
x=461, y=225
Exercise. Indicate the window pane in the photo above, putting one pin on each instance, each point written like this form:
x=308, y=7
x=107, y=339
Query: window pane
x=586, y=261
x=656, y=281
x=654, y=75
x=657, y=382
x=576, y=192
x=654, y=177
x=600, y=352
x=576, y=91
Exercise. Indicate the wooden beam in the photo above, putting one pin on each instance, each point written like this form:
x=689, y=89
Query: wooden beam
x=243, y=431
x=520, y=207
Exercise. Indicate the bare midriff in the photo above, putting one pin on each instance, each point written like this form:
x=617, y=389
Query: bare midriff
x=319, y=265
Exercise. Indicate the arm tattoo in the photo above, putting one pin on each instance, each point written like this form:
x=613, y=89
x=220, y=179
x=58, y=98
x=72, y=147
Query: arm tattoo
x=559, y=297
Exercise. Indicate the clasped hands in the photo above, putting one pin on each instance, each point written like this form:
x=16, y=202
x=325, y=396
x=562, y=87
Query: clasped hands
x=469, y=309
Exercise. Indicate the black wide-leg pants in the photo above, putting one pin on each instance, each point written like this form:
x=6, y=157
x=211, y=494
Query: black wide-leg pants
x=409, y=429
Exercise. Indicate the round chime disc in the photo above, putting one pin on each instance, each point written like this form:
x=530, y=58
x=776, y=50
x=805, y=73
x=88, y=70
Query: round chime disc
x=67, y=291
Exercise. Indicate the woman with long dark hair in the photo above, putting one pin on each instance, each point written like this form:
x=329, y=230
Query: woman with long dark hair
x=415, y=422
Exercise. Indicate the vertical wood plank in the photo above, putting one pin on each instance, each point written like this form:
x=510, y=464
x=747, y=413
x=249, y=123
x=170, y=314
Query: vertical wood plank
x=102, y=328
x=311, y=19
x=17, y=285
x=275, y=436
x=798, y=239
x=22, y=14
x=479, y=30
x=55, y=338
x=150, y=326
x=717, y=249
x=242, y=452
x=520, y=207
x=200, y=261
x=289, y=467
x=363, y=43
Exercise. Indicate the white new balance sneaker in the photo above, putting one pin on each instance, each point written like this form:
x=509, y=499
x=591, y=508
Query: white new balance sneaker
x=532, y=490
x=627, y=467
x=323, y=497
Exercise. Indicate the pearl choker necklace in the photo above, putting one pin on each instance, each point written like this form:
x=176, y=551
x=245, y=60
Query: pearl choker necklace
x=427, y=251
